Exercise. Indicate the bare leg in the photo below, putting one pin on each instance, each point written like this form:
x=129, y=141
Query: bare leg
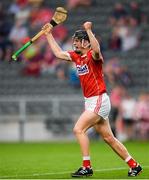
x=104, y=129
x=86, y=120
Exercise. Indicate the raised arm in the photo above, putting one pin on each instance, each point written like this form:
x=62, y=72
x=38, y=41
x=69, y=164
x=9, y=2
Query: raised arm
x=58, y=52
x=96, y=53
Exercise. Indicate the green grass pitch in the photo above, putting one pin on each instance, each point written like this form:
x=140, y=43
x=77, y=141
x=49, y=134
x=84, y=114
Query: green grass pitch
x=56, y=160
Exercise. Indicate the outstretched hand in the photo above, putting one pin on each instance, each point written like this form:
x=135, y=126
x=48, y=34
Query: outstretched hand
x=87, y=25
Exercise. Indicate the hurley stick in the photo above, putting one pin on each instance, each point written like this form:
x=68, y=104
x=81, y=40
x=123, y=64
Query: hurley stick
x=59, y=16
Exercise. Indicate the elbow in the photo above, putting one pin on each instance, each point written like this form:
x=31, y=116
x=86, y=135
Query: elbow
x=58, y=54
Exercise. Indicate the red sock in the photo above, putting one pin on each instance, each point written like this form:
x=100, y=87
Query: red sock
x=132, y=163
x=86, y=163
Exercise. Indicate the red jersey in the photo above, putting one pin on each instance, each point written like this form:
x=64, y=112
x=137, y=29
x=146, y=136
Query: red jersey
x=90, y=73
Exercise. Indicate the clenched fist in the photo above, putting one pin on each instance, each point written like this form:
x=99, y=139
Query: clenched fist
x=87, y=25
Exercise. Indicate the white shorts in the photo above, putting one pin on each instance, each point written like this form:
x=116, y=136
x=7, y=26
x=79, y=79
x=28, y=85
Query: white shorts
x=99, y=104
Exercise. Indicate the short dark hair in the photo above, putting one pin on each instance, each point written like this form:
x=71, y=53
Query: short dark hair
x=81, y=34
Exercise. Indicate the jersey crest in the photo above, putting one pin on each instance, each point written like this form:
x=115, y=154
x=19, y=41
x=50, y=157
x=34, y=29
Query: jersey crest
x=82, y=70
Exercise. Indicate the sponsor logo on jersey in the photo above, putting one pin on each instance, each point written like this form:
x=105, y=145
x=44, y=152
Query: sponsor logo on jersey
x=82, y=70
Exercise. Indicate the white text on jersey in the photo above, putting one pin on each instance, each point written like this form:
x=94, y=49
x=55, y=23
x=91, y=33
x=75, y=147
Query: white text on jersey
x=82, y=70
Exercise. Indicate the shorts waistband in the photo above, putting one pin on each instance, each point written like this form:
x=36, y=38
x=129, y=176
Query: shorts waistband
x=96, y=95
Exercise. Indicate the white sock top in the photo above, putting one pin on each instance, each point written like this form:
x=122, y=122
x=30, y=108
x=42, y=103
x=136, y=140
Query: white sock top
x=86, y=157
x=128, y=158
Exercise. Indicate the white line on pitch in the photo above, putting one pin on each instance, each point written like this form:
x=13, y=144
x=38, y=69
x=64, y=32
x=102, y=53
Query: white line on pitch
x=65, y=172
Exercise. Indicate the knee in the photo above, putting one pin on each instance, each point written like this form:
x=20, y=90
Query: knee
x=110, y=139
x=77, y=130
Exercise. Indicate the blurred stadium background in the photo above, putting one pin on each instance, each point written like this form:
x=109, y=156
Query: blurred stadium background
x=40, y=97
